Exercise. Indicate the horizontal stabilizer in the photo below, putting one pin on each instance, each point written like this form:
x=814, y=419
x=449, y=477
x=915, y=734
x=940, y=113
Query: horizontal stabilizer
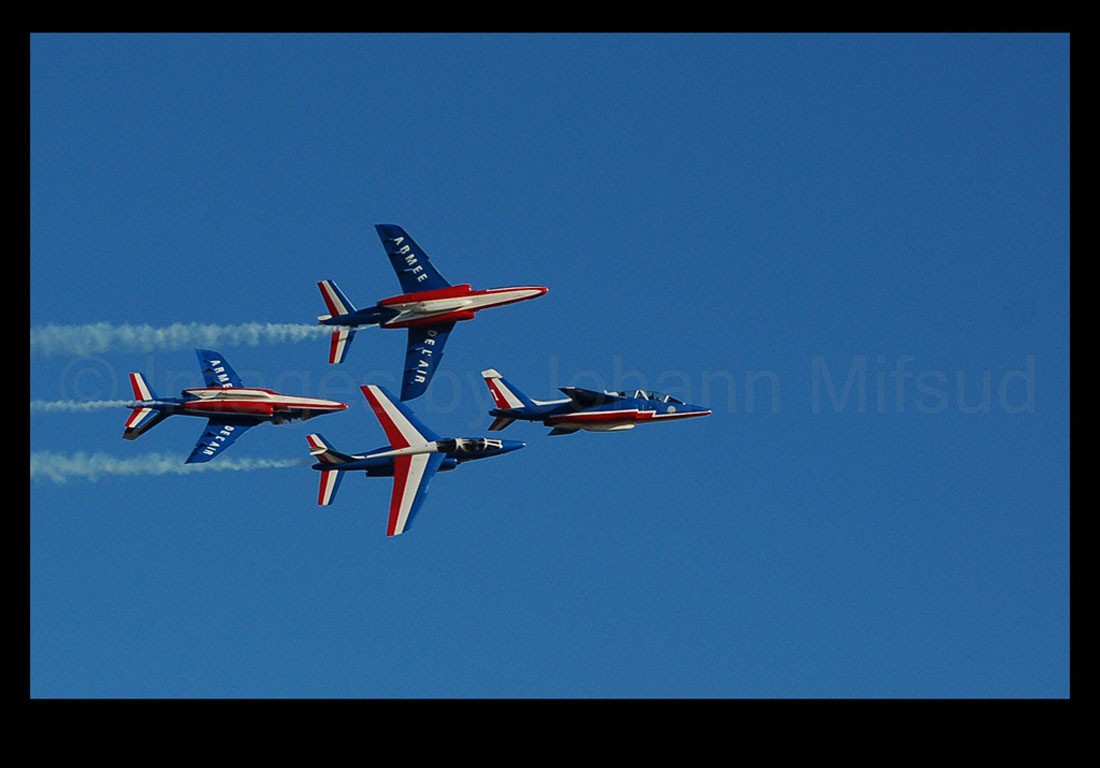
x=141, y=421
x=500, y=423
x=338, y=347
x=330, y=483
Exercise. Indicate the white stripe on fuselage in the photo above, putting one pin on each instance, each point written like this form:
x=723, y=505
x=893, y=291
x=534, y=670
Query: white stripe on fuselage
x=415, y=310
x=258, y=396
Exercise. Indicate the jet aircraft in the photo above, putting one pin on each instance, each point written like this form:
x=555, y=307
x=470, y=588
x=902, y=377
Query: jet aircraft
x=412, y=457
x=429, y=307
x=230, y=407
x=584, y=408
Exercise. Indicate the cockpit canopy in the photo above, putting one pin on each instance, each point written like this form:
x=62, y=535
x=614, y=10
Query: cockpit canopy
x=474, y=444
x=645, y=394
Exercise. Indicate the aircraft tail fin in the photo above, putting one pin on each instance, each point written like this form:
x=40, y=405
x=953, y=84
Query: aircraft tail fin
x=506, y=395
x=330, y=478
x=142, y=417
x=335, y=299
x=140, y=388
x=323, y=452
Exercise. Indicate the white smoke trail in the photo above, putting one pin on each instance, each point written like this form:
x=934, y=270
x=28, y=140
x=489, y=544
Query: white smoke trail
x=59, y=467
x=96, y=338
x=49, y=406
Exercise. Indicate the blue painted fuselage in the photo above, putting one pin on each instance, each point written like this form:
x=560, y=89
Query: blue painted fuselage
x=376, y=315
x=455, y=450
x=591, y=410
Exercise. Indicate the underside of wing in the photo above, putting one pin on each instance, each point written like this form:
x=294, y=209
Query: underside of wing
x=141, y=421
x=414, y=271
x=215, y=371
x=422, y=355
x=217, y=436
x=411, y=475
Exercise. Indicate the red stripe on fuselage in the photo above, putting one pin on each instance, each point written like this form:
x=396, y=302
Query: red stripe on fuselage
x=685, y=415
x=230, y=406
x=227, y=389
x=622, y=416
x=452, y=292
x=253, y=408
x=456, y=292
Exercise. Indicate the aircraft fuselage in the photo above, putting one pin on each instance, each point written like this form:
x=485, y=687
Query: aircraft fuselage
x=380, y=461
x=612, y=418
x=248, y=403
x=444, y=305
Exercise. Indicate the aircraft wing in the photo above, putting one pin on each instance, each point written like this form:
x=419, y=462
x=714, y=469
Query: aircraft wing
x=218, y=435
x=402, y=427
x=411, y=475
x=422, y=354
x=215, y=371
x=414, y=271
x=587, y=398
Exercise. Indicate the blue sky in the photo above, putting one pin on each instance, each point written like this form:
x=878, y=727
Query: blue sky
x=853, y=248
